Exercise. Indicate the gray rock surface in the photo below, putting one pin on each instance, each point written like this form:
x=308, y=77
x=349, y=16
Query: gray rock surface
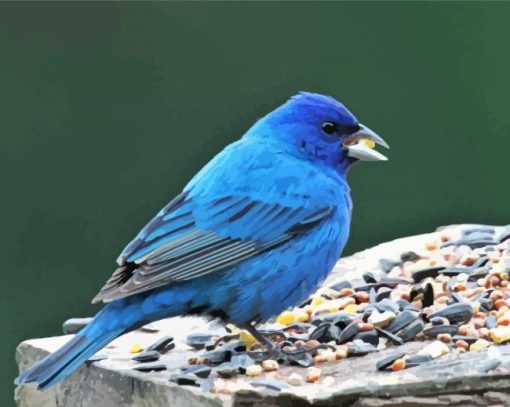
x=452, y=380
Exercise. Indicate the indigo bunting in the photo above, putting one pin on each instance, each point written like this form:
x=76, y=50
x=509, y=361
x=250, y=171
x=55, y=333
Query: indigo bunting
x=253, y=233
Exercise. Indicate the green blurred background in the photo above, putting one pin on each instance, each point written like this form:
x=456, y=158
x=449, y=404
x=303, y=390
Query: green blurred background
x=107, y=109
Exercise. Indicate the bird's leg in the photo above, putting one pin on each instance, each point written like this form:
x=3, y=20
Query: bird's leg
x=272, y=349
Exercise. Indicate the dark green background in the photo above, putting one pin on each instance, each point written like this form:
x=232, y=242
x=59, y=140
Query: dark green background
x=107, y=109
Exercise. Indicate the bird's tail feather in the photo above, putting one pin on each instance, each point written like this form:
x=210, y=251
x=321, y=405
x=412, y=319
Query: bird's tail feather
x=69, y=357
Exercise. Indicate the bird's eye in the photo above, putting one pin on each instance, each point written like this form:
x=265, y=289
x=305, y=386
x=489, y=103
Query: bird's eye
x=329, y=127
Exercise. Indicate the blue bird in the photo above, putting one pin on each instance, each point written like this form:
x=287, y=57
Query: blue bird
x=253, y=233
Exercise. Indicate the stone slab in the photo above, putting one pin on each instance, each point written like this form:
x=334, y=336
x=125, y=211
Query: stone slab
x=451, y=380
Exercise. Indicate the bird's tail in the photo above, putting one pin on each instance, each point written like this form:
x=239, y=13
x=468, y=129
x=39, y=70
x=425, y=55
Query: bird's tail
x=97, y=334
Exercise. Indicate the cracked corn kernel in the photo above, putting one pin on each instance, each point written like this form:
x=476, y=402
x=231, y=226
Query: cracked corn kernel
x=135, y=348
x=351, y=308
x=500, y=334
x=254, y=370
x=302, y=316
x=346, y=291
x=270, y=365
x=398, y=364
x=362, y=296
x=295, y=379
x=367, y=142
x=317, y=301
x=445, y=338
x=286, y=318
x=478, y=345
x=313, y=374
x=341, y=353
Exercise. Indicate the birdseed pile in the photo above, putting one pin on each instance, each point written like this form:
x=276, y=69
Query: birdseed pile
x=454, y=294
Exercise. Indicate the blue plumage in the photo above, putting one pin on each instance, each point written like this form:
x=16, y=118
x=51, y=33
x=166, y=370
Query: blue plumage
x=253, y=233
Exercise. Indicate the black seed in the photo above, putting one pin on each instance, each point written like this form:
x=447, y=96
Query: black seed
x=383, y=293
x=504, y=235
x=341, y=320
x=486, y=305
x=394, y=339
x=96, y=358
x=459, y=312
x=409, y=256
x=372, y=296
x=360, y=348
x=412, y=308
x=198, y=341
x=482, y=261
x=348, y=333
x=163, y=345
x=409, y=332
x=260, y=355
x=388, y=360
x=150, y=367
x=434, y=330
x=369, y=277
x=401, y=321
x=428, y=295
x=211, y=345
x=185, y=379
x=486, y=229
x=480, y=273
x=392, y=282
x=149, y=328
x=74, y=325
x=320, y=332
x=438, y=321
x=339, y=286
x=480, y=235
x=387, y=305
x=402, y=304
x=305, y=303
x=275, y=385
x=367, y=311
x=303, y=359
x=420, y=275
x=473, y=243
x=233, y=346
x=387, y=265
x=325, y=332
x=370, y=337
x=216, y=357
x=483, y=294
x=455, y=271
x=227, y=370
x=147, y=356
x=366, y=287
x=416, y=360
x=416, y=293
x=201, y=371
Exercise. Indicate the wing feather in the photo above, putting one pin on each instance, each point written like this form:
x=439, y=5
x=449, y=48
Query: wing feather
x=182, y=243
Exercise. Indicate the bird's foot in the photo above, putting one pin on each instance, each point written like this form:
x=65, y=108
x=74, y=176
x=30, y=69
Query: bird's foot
x=272, y=350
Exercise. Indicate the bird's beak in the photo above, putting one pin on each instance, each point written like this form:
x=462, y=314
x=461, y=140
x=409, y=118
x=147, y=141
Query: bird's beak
x=361, y=145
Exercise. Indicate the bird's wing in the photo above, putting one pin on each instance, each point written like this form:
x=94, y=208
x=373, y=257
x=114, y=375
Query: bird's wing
x=195, y=235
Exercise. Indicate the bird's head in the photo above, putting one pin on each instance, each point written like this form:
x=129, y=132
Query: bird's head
x=322, y=129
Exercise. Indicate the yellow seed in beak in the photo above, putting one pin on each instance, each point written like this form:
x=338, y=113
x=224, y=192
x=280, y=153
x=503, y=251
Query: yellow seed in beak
x=367, y=142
